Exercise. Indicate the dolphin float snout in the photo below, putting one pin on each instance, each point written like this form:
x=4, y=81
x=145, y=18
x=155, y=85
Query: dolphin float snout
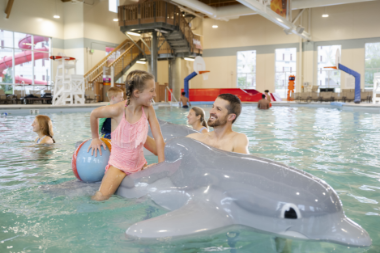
x=347, y=232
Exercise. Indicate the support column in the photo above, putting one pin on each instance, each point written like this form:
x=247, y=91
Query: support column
x=175, y=81
x=154, y=54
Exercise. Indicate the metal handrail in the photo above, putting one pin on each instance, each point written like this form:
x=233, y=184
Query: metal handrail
x=172, y=95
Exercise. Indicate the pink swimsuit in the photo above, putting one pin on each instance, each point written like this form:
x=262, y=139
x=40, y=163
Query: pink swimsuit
x=128, y=140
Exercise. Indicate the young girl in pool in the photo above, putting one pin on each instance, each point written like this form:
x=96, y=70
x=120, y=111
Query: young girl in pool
x=129, y=130
x=196, y=118
x=44, y=128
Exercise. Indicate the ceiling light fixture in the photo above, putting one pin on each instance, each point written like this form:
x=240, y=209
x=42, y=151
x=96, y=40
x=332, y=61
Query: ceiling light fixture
x=115, y=19
x=189, y=59
x=56, y=16
x=134, y=34
x=141, y=62
x=214, y=26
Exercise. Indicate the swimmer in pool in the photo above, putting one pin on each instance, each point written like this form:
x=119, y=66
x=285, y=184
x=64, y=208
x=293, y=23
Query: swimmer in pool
x=196, y=118
x=263, y=104
x=44, y=128
x=225, y=110
x=184, y=100
x=115, y=96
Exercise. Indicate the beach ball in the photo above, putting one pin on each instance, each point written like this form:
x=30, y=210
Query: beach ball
x=87, y=167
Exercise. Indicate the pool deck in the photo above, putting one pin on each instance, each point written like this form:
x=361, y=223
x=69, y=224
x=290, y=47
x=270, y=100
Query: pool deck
x=20, y=109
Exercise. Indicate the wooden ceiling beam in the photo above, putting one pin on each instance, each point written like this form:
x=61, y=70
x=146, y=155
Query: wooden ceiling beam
x=8, y=9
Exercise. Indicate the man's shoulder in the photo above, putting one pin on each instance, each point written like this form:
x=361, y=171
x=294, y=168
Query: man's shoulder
x=196, y=136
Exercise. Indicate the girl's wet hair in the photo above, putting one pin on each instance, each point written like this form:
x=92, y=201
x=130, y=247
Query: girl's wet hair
x=136, y=80
x=200, y=112
x=47, y=126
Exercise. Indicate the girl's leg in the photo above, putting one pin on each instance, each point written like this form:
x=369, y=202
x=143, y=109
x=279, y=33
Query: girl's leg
x=111, y=181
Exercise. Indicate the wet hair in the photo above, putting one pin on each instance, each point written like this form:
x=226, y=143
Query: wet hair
x=266, y=91
x=183, y=93
x=200, y=112
x=114, y=91
x=136, y=80
x=47, y=126
x=234, y=106
x=263, y=96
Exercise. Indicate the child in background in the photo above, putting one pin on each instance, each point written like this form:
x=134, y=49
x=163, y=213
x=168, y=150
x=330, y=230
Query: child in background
x=44, y=128
x=184, y=100
x=129, y=122
x=115, y=96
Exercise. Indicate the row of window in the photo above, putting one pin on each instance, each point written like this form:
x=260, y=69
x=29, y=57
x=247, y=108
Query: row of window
x=24, y=59
x=285, y=65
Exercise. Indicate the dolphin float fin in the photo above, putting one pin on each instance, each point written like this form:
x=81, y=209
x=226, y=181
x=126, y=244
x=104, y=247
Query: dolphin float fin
x=193, y=218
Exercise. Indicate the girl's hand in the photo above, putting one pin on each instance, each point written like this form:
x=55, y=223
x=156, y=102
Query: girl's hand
x=96, y=145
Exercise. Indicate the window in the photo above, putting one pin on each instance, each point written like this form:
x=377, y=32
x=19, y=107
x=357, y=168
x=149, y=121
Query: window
x=19, y=48
x=113, y=5
x=328, y=78
x=284, y=69
x=246, y=69
x=372, y=63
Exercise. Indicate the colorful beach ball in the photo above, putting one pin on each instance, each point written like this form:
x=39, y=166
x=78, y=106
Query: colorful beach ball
x=87, y=167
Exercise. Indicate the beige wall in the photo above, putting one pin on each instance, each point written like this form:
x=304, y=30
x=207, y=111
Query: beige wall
x=350, y=22
x=33, y=17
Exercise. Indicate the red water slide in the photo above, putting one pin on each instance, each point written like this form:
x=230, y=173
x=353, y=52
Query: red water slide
x=25, y=56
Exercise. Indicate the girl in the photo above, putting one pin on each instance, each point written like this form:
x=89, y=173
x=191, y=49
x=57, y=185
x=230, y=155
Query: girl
x=44, y=128
x=129, y=130
x=196, y=119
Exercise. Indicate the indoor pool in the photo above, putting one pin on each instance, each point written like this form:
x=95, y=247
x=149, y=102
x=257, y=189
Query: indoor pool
x=338, y=146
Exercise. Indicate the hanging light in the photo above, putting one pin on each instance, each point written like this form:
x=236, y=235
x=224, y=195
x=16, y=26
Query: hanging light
x=325, y=15
x=56, y=16
x=134, y=34
x=214, y=26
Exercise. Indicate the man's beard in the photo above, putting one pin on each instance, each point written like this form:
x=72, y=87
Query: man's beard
x=217, y=122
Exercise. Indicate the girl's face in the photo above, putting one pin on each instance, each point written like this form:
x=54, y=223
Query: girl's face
x=147, y=95
x=36, y=126
x=192, y=118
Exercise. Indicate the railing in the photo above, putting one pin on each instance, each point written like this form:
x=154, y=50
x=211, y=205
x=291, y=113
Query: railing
x=162, y=12
x=95, y=73
x=126, y=58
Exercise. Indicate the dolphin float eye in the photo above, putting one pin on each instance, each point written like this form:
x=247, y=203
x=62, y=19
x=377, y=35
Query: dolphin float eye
x=290, y=211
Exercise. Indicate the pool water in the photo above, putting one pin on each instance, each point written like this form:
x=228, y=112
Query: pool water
x=338, y=146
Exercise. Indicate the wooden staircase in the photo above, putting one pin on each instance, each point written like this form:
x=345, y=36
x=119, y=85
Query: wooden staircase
x=165, y=18
x=121, y=59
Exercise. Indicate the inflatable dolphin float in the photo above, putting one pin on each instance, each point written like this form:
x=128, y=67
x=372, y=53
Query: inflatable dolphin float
x=206, y=189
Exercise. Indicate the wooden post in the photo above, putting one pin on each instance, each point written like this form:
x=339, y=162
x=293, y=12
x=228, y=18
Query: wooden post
x=8, y=9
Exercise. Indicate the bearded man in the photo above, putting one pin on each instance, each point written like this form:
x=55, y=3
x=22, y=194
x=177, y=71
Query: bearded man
x=225, y=110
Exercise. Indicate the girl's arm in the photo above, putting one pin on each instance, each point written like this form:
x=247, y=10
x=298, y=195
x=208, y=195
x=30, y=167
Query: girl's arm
x=150, y=145
x=109, y=111
x=157, y=135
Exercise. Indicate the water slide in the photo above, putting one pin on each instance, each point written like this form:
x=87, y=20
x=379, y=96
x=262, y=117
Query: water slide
x=25, y=56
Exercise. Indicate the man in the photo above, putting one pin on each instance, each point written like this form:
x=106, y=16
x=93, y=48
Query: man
x=184, y=100
x=263, y=104
x=225, y=110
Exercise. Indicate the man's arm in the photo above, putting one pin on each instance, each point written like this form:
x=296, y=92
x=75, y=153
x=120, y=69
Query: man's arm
x=241, y=144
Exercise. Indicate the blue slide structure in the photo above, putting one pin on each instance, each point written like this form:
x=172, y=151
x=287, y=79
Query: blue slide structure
x=355, y=74
x=186, y=84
